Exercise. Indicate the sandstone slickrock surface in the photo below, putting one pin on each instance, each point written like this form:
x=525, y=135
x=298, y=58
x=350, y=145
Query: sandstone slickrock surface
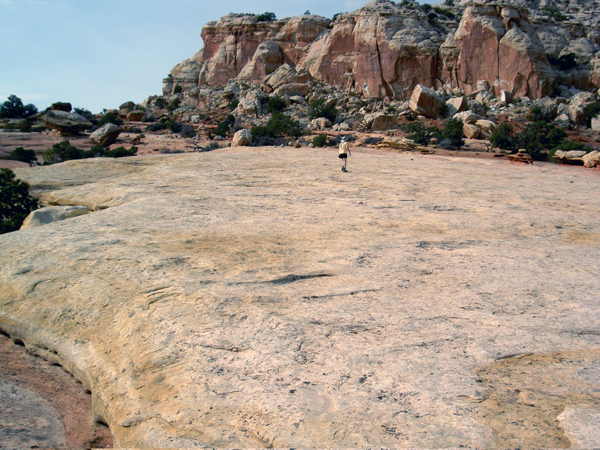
x=261, y=297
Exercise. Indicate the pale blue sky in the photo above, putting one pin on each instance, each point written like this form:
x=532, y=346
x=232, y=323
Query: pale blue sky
x=99, y=54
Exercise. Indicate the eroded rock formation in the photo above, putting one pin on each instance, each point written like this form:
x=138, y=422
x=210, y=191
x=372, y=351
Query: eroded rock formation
x=385, y=49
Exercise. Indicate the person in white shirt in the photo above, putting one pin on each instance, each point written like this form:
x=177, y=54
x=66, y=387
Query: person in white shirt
x=344, y=153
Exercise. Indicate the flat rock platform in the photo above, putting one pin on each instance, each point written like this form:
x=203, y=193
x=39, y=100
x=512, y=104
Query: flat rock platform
x=260, y=297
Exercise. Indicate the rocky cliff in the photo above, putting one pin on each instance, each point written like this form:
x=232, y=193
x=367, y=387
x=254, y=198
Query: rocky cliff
x=385, y=49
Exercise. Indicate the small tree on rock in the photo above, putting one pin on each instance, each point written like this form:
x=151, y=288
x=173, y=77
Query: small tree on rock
x=15, y=201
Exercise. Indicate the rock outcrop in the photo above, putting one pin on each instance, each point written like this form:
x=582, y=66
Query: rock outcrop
x=385, y=49
x=49, y=214
x=68, y=124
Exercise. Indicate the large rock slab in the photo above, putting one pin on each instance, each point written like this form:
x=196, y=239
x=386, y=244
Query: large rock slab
x=261, y=297
x=106, y=135
x=67, y=123
x=49, y=214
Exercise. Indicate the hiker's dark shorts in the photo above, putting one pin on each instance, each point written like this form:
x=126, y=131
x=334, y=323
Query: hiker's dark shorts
x=343, y=155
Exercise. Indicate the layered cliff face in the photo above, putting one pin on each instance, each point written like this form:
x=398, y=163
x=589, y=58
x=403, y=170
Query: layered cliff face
x=385, y=49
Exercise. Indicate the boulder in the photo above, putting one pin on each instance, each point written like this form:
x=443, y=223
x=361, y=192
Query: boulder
x=382, y=122
x=49, y=214
x=106, y=135
x=596, y=123
x=241, y=138
x=467, y=117
x=135, y=116
x=68, y=124
x=506, y=96
x=293, y=89
x=250, y=106
x=471, y=131
x=487, y=126
x=320, y=123
x=577, y=104
x=592, y=159
x=456, y=105
x=426, y=102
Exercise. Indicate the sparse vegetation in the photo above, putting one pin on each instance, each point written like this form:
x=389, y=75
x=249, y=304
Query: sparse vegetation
x=177, y=89
x=591, y=111
x=234, y=104
x=278, y=125
x=13, y=108
x=86, y=114
x=320, y=140
x=160, y=102
x=15, y=201
x=110, y=117
x=266, y=17
x=555, y=13
x=321, y=108
x=64, y=151
x=24, y=155
x=175, y=103
x=421, y=134
x=223, y=128
x=156, y=126
x=453, y=132
x=275, y=104
x=503, y=137
x=173, y=126
x=565, y=62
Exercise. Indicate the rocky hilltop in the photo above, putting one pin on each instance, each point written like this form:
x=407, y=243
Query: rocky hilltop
x=384, y=49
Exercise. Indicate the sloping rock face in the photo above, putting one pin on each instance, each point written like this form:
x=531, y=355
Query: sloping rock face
x=498, y=45
x=385, y=49
x=210, y=299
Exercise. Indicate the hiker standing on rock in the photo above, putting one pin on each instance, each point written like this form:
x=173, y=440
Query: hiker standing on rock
x=344, y=153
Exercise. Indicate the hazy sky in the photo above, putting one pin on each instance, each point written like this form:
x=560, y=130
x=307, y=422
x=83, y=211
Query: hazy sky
x=100, y=53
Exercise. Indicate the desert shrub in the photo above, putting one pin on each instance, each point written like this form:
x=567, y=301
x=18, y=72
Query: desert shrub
x=234, y=104
x=157, y=126
x=426, y=7
x=62, y=151
x=160, y=102
x=555, y=13
x=110, y=117
x=13, y=108
x=222, y=128
x=444, y=12
x=503, y=137
x=421, y=134
x=173, y=126
x=540, y=139
x=266, y=17
x=453, y=131
x=320, y=108
x=24, y=155
x=177, y=89
x=175, y=103
x=281, y=125
x=538, y=114
x=320, y=140
x=15, y=201
x=187, y=131
x=275, y=104
x=565, y=62
x=121, y=152
x=372, y=141
x=87, y=114
x=25, y=126
x=591, y=111
x=149, y=118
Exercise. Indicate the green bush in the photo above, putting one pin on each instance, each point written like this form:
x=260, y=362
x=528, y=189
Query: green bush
x=121, y=152
x=24, y=155
x=13, y=108
x=160, y=102
x=320, y=140
x=87, y=114
x=15, y=201
x=222, y=128
x=275, y=104
x=278, y=125
x=266, y=17
x=444, y=12
x=503, y=137
x=157, y=126
x=234, y=104
x=565, y=62
x=453, y=131
x=421, y=134
x=541, y=139
x=62, y=151
x=110, y=117
x=25, y=126
x=177, y=89
x=320, y=108
x=173, y=126
x=175, y=103
x=591, y=111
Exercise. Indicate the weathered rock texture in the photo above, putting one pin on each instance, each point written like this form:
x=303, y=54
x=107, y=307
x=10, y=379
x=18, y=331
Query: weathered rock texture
x=261, y=297
x=385, y=49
